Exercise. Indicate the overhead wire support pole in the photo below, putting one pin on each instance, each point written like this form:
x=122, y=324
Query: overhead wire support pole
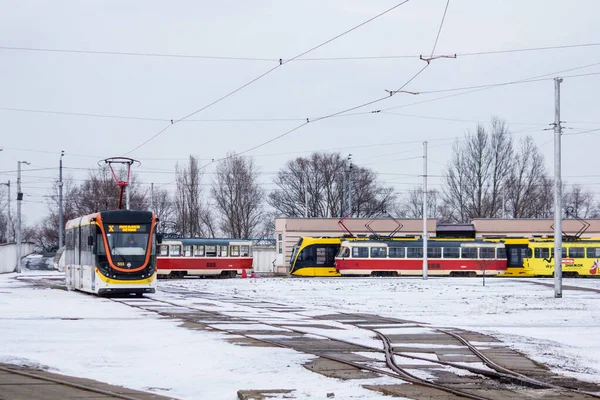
x=19, y=200
x=557, y=193
x=60, y=201
x=425, y=265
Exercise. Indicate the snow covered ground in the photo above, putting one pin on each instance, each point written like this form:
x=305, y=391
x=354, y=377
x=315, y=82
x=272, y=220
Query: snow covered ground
x=81, y=335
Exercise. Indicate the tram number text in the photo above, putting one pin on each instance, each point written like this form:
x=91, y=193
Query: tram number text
x=434, y=266
x=211, y=265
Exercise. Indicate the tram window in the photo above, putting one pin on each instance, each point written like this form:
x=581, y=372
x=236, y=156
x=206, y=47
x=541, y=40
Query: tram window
x=360, y=252
x=378, y=252
x=325, y=255
x=224, y=251
x=235, y=251
x=245, y=251
x=469, y=252
x=541, y=252
x=487, y=252
x=164, y=250
x=100, y=250
x=345, y=252
x=434, y=252
x=451, y=252
x=576, y=252
x=321, y=255
x=593, y=252
x=396, y=252
x=187, y=250
x=211, y=251
x=198, y=251
x=176, y=250
x=501, y=252
x=414, y=252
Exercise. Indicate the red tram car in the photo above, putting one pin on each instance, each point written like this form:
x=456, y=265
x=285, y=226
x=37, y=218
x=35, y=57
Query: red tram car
x=397, y=257
x=224, y=258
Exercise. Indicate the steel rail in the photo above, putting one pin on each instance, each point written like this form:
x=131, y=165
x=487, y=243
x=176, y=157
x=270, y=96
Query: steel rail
x=71, y=384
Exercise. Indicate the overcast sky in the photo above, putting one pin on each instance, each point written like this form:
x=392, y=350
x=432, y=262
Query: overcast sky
x=165, y=88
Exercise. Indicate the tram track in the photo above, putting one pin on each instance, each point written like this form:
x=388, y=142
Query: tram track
x=67, y=383
x=501, y=379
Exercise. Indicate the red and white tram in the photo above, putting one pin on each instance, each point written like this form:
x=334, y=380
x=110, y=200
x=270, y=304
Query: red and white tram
x=395, y=257
x=223, y=258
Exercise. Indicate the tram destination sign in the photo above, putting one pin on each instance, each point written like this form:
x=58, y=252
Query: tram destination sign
x=139, y=228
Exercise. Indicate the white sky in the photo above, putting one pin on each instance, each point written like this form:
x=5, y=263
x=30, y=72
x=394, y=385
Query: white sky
x=99, y=339
x=170, y=88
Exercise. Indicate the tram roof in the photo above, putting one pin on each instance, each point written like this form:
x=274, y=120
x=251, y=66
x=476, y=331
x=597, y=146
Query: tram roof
x=210, y=241
x=419, y=243
x=113, y=217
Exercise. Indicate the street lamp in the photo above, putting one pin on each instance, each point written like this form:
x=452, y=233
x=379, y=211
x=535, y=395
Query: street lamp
x=19, y=199
x=60, y=202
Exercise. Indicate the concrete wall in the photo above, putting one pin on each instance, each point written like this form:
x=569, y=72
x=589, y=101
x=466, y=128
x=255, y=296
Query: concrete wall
x=8, y=255
x=263, y=257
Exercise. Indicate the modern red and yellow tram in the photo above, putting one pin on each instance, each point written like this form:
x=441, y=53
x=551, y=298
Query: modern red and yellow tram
x=397, y=257
x=224, y=258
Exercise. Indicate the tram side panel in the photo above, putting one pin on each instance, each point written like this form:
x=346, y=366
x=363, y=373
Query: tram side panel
x=397, y=258
x=204, y=257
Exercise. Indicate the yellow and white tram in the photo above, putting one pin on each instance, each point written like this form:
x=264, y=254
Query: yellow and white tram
x=111, y=252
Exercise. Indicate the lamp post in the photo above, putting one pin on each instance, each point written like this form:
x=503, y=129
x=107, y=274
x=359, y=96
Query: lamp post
x=60, y=202
x=19, y=199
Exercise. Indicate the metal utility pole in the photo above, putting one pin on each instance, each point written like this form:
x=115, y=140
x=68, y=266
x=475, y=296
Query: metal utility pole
x=557, y=194
x=19, y=199
x=127, y=193
x=306, y=196
x=425, y=266
x=60, y=202
x=350, y=186
x=8, y=212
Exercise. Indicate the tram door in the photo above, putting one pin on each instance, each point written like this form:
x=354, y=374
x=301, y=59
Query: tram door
x=515, y=255
x=77, y=258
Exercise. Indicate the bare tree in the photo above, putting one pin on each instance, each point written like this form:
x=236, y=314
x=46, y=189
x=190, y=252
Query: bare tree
x=580, y=202
x=456, y=190
x=192, y=216
x=238, y=196
x=476, y=176
x=314, y=187
x=163, y=207
x=99, y=192
x=45, y=233
x=526, y=186
x=411, y=206
x=501, y=156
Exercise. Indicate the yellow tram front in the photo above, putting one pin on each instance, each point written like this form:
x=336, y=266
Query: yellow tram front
x=315, y=256
x=112, y=252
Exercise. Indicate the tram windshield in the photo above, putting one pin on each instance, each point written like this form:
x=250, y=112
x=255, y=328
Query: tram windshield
x=127, y=240
x=294, y=253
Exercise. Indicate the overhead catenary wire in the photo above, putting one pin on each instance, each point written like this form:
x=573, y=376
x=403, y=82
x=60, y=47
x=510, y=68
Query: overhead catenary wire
x=274, y=59
x=281, y=63
x=308, y=120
